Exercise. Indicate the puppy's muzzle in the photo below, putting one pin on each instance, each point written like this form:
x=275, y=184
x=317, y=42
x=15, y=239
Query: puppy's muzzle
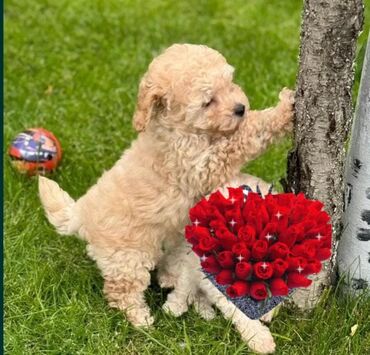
x=239, y=110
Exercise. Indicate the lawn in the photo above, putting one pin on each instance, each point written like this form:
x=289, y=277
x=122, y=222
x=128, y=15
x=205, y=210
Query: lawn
x=73, y=67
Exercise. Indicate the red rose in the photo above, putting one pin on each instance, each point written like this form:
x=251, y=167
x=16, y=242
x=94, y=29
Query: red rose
x=271, y=204
x=279, y=266
x=200, y=212
x=211, y=265
x=218, y=200
x=197, y=250
x=296, y=262
x=243, y=270
x=226, y=259
x=190, y=235
x=313, y=267
x=286, y=200
x=259, y=249
x=217, y=224
x=295, y=279
x=240, y=249
x=307, y=249
x=291, y=234
x=258, y=291
x=323, y=253
x=247, y=234
x=278, y=250
x=207, y=243
x=263, y=270
x=238, y=289
x=323, y=234
x=278, y=287
x=269, y=232
x=226, y=238
x=225, y=277
x=297, y=214
x=236, y=196
x=317, y=205
x=234, y=219
x=322, y=218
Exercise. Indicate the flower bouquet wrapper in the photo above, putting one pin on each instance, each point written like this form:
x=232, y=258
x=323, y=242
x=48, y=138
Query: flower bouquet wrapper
x=251, y=308
x=257, y=249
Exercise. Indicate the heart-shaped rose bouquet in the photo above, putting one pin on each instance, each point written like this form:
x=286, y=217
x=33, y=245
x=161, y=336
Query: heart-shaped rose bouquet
x=257, y=249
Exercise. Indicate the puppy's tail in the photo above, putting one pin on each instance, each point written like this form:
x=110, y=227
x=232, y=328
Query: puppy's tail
x=58, y=206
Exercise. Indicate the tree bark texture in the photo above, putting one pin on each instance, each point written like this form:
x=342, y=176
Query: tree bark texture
x=323, y=113
x=354, y=245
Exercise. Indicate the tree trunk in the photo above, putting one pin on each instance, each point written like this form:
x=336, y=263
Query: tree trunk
x=323, y=113
x=354, y=246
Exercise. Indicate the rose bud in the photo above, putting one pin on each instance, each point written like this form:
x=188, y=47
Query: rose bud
x=217, y=224
x=225, y=277
x=236, y=196
x=297, y=214
x=225, y=238
x=296, y=262
x=243, y=270
x=323, y=253
x=279, y=266
x=238, y=289
x=307, y=249
x=263, y=214
x=271, y=205
x=286, y=199
x=207, y=243
x=295, y=279
x=259, y=249
x=317, y=205
x=226, y=259
x=247, y=234
x=263, y=270
x=240, y=249
x=234, y=218
x=200, y=212
x=218, y=200
x=269, y=232
x=313, y=267
x=290, y=235
x=278, y=250
x=211, y=265
x=197, y=250
x=258, y=291
x=322, y=218
x=278, y=287
x=190, y=236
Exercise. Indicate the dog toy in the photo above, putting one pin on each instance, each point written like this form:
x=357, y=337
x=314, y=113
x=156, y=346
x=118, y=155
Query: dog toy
x=257, y=249
x=35, y=151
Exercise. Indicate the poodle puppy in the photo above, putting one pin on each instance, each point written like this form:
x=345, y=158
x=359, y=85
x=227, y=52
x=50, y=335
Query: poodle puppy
x=183, y=273
x=195, y=132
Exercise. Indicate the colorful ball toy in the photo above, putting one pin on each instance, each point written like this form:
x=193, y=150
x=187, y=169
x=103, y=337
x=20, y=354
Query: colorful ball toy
x=35, y=151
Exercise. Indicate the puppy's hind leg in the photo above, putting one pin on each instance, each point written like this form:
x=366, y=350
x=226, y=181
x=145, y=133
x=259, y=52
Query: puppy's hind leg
x=126, y=277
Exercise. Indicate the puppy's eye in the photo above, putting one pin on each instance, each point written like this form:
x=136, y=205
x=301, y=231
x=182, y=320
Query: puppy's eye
x=207, y=104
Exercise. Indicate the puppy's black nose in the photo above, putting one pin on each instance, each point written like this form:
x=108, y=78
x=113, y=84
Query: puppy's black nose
x=239, y=110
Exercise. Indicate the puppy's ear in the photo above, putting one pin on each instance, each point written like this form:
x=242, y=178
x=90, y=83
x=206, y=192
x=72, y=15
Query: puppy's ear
x=149, y=100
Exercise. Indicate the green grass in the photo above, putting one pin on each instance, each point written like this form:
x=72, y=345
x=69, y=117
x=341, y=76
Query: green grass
x=92, y=55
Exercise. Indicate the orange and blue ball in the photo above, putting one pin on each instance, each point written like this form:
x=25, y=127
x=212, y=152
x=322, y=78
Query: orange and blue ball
x=35, y=151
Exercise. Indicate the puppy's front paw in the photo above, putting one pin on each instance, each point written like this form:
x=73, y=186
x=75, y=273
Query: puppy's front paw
x=286, y=108
x=286, y=97
x=261, y=341
x=140, y=318
x=174, y=308
x=166, y=280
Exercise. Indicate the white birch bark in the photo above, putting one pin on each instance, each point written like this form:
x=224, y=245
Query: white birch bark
x=323, y=114
x=354, y=245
